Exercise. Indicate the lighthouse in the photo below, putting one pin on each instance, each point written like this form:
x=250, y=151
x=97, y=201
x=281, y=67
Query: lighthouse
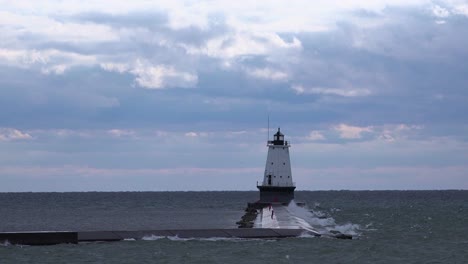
x=277, y=185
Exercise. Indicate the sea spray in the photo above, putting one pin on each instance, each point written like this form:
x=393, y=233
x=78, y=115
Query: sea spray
x=152, y=237
x=350, y=229
x=319, y=221
x=5, y=243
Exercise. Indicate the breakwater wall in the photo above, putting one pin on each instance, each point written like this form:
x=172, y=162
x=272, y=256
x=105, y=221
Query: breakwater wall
x=58, y=237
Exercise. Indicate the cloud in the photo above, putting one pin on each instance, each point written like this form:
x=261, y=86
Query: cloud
x=280, y=16
x=315, y=135
x=115, y=67
x=121, y=133
x=396, y=132
x=352, y=132
x=191, y=134
x=19, y=25
x=462, y=9
x=344, y=134
x=48, y=60
x=382, y=178
x=154, y=76
x=115, y=172
x=440, y=12
x=162, y=76
x=240, y=44
x=324, y=64
x=267, y=73
x=67, y=133
x=383, y=74
x=125, y=159
x=77, y=178
x=430, y=39
x=11, y=134
x=299, y=89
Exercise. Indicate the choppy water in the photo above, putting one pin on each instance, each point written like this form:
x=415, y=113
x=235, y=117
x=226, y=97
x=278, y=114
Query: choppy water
x=391, y=227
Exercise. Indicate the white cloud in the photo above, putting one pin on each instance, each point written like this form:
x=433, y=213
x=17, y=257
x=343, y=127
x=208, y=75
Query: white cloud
x=69, y=133
x=461, y=9
x=396, y=132
x=154, y=76
x=274, y=16
x=440, y=12
x=403, y=127
x=26, y=57
x=242, y=44
x=387, y=132
x=352, y=132
x=121, y=133
x=268, y=73
x=299, y=89
x=315, y=135
x=115, y=67
x=188, y=14
x=253, y=29
x=48, y=60
x=162, y=76
x=198, y=134
x=9, y=134
x=191, y=134
x=56, y=69
x=54, y=30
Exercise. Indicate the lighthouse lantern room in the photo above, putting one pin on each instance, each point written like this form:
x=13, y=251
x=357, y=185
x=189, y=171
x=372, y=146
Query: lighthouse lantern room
x=277, y=185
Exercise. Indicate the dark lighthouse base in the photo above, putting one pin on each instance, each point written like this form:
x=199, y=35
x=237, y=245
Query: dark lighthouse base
x=276, y=194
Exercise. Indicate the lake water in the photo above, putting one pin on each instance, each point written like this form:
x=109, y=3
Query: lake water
x=389, y=227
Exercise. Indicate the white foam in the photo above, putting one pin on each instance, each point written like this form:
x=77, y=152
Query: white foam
x=350, y=229
x=294, y=216
x=5, y=243
x=152, y=237
x=307, y=235
x=309, y=219
x=368, y=227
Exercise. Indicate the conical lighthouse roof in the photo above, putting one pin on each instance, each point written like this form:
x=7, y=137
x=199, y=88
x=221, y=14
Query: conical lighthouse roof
x=279, y=133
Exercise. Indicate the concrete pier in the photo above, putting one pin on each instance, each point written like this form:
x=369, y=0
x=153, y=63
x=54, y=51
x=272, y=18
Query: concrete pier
x=52, y=237
x=38, y=238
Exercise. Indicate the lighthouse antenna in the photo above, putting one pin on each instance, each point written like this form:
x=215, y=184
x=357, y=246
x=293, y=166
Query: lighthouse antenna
x=268, y=128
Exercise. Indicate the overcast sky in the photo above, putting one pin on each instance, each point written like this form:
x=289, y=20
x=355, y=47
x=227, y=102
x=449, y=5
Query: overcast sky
x=174, y=95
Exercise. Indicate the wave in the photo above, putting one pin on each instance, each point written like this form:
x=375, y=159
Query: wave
x=314, y=221
x=5, y=243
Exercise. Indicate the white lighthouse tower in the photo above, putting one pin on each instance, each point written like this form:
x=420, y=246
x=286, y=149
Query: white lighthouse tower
x=277, y=185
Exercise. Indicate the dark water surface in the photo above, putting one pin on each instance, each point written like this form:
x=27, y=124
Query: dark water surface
x=392, y=227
